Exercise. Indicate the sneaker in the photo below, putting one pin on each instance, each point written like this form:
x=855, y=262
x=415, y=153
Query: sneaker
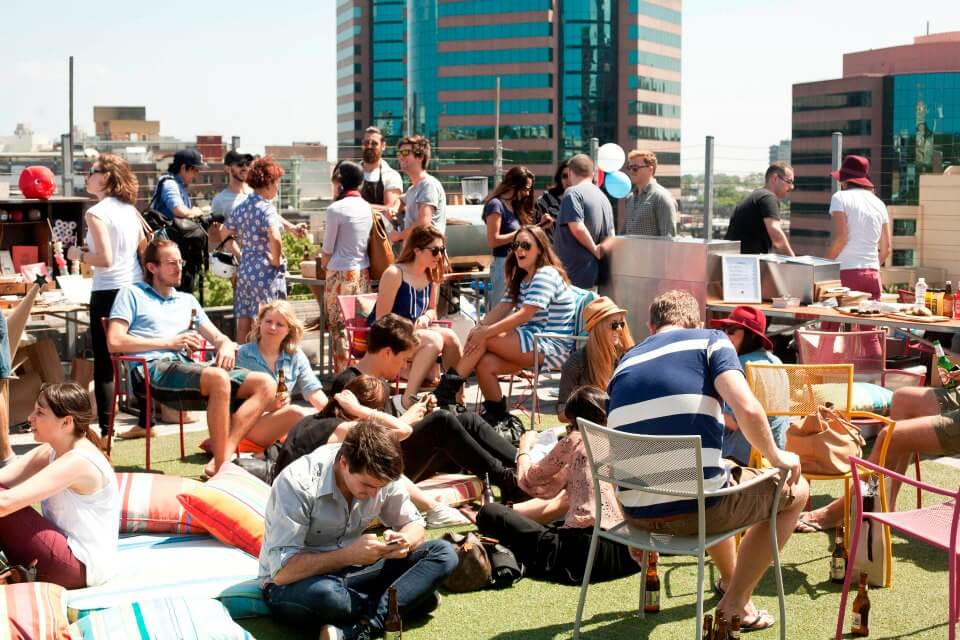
x=358, y=631
x=331, y=632
x=443, y=515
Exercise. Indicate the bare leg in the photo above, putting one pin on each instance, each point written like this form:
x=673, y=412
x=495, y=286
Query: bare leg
x=503, y=356
x=431, y=343
x=270, y=427
x=258, y=390
x=724, y=556
x=6, y=451
x=754, y=555
x=544, y=511
x=243, y=328
x=452, y=349
x=215, y=386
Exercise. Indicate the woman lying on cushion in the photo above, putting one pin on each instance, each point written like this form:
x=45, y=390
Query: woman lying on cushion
x=359, y=401
x=274, y=346
x=73, y=538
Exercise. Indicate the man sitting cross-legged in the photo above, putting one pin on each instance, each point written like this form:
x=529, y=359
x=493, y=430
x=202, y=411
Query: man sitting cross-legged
x=318, y=567
x=152, y=320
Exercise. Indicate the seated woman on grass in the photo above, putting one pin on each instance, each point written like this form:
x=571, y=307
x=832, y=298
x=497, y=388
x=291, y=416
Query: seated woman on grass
x=274, y=346
x=410, y=288
x=73, y=538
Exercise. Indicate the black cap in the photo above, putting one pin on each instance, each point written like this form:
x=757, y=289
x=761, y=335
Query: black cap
x=236, y=157
x=190, y=158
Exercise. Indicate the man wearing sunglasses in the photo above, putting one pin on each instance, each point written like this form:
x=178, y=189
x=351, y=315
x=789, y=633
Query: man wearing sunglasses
x=236, y=164
x=425, y=203
x=756, y=220
x=650, y=209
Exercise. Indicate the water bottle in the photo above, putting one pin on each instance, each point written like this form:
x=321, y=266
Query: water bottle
x=920, y=292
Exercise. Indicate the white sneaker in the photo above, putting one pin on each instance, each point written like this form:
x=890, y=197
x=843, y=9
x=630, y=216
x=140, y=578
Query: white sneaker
x=443, y=515
x=331, y=632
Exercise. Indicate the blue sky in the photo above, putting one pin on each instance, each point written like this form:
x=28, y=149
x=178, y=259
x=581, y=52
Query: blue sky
x=266, y=71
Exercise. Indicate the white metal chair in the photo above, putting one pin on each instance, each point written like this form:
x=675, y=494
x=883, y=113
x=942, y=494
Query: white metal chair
x=663, y=466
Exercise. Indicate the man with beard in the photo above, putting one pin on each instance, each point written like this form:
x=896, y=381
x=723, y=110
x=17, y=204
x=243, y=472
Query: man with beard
x=381, y=184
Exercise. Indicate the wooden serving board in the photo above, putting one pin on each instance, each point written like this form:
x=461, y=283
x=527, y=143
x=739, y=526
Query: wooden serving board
x=853, y=313
x=925, y=319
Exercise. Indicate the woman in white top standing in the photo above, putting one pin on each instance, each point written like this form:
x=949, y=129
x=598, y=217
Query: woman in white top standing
x=74, y=537
x=344, y=252
x=861, y=231
x=115, y=235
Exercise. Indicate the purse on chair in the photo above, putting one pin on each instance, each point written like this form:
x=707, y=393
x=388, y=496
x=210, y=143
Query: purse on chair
x=824, y=441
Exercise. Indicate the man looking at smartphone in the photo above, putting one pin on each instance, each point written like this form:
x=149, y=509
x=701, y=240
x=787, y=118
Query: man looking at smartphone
x=317, y=564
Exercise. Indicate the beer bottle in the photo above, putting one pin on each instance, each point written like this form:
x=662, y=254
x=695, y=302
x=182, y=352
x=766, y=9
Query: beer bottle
x=734, y=627
x=861, y=610
x=651, y=601
x=281, y=382
x=487, y=491
x=943, y=362
x=947, y=300
x=838, y=561
x=707, y=627
x=720, y=628
x=392, y=625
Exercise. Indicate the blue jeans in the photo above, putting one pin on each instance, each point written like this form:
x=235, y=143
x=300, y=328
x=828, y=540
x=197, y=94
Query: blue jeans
x=498, y=282
x=360, y=593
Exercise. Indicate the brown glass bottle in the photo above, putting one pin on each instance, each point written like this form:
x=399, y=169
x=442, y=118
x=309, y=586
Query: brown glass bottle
x=861, y=610
x=392, y=625
x=651, y=599
x=838, y=561
x=734, y=633
x=720, y=628
x=707, y=627
x=487, y=497
x=281, y=382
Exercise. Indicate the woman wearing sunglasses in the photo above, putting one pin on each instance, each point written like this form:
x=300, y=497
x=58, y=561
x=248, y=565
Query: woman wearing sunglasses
x=593, y=365
x=505, y=210
x=410, y=288
x=538, y=299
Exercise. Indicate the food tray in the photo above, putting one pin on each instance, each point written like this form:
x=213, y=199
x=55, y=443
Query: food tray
x=923, y=319
x=856, y=313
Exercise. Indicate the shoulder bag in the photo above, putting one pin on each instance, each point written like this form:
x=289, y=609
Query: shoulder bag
x=824, y=441
x=379, y=248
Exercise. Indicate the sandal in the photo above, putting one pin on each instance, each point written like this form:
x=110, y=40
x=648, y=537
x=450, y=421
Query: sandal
x=717, y=589
x=760, y=621
x=805, y=525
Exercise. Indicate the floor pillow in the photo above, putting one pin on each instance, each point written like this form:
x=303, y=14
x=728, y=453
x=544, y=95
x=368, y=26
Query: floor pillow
x=161, y=619
x=33, y=611
x=150, y=505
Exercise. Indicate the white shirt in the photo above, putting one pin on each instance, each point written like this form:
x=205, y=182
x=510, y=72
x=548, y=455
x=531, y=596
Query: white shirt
x=347, y=233
x=391, y=179
x=124, y=232
x=866, y=215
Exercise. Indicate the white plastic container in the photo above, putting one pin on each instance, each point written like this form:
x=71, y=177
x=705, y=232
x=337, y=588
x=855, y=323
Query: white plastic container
x=919, y=291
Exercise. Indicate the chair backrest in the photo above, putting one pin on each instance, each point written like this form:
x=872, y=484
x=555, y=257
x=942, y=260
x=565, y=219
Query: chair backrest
x=348, y=306
x=582, y=297
x=661, y=465
x=866, y=350
x=798, y=389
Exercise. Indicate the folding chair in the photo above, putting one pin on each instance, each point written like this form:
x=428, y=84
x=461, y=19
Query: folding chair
x=664, y=466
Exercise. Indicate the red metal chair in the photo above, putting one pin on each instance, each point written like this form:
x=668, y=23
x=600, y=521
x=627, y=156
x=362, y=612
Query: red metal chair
x=936, y=525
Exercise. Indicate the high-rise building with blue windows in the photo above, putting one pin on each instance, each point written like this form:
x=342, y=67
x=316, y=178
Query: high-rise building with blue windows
x=569, y=70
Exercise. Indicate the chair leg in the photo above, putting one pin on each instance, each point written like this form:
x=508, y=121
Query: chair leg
x=698, y=623
x=778, y=575
x=641, y=612
x=916, y=464
x=846, y=512
x=852, y=553
x=183, y=452
x=952, y=607
x=113, y=410
x=586, y=579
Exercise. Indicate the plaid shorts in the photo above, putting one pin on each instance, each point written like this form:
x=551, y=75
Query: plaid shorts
x=176, y=383
x=947, y=424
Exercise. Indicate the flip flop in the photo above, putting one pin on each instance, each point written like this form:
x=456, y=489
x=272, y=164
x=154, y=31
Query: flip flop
x=805, y=525
x=762, y=620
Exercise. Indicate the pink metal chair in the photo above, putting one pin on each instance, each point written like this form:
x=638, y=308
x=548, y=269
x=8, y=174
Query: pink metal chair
x=357, y=328
x=936, y=525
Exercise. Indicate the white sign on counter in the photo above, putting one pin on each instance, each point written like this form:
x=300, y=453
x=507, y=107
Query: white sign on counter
x=741, y=279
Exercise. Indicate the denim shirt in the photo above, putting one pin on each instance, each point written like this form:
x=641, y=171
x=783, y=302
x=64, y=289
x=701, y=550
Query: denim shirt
x=307, y=513
x=296, y=368
x=171, y=191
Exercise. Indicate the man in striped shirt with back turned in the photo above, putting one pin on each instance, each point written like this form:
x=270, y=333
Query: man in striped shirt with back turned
x=675, y=383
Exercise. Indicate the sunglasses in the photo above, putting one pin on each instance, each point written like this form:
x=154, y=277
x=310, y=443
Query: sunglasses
x=731, y=330
x=94, y=170
x=403, y=153
x=636, y=167
x=526, y=246
x=435, y=251
x=242, y=165
x=617, y=324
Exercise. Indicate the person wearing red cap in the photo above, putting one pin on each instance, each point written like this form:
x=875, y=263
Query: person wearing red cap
x=746, y=328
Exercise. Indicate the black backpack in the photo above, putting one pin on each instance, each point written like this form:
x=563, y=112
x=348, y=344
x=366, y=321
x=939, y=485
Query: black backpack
x=190, y=234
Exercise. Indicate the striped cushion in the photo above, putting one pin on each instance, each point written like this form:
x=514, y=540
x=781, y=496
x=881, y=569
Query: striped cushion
x=231, y=506
x=453, y=488
x=150, y=504
x=163, y=619
x=33, y=611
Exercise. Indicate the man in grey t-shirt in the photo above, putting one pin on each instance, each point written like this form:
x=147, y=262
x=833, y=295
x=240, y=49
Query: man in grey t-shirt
x=585, y=227
x=425, y=202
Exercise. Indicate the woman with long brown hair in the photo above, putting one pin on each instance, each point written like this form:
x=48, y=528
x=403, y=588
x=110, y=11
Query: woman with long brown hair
x=508, y=207
x=115, y=234
x=74, y=536
x=538, y=300
x=608, y=339
x=410, y=288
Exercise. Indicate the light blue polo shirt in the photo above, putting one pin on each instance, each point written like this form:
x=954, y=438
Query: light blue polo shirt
x=297, y=372
x=150, y=315
x=171, y=191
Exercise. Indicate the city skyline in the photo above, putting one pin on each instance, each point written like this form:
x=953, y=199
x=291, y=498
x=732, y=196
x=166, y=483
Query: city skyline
x=276, y=83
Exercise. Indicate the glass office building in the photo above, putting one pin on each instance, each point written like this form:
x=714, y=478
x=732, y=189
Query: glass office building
x=569, y=71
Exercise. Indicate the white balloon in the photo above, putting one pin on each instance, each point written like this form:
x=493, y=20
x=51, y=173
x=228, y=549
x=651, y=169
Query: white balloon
x=610, y=157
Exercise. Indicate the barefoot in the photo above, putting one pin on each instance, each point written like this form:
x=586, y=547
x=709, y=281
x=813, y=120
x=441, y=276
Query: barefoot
x=210, y=469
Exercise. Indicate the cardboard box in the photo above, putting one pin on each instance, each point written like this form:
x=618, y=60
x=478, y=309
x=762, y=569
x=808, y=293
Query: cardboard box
x=23, y=394
x=45, y=361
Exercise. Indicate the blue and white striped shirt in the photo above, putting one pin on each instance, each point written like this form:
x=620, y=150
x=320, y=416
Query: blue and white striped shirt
x=665, y=386
x=555, y=302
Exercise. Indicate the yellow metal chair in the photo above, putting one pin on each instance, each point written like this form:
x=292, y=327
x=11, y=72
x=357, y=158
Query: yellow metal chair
x=797, y=390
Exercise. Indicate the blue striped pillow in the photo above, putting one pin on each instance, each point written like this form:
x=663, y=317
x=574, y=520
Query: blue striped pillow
x=162, y=619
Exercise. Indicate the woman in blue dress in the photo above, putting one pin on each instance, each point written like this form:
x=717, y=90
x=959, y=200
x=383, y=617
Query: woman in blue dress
x=505, y=210
x=257, y=227
x=410, y=288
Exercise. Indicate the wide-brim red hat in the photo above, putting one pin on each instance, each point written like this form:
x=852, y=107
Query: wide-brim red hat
x=854, y=169
x=749, y=319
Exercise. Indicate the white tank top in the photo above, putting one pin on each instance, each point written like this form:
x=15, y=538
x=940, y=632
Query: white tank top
x=123, y=233
x=91, y=523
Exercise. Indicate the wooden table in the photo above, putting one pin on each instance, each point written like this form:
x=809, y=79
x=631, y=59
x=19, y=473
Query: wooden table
x=69, y=313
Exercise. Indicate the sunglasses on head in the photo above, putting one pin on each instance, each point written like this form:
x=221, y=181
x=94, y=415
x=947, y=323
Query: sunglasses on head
x=526, y=246
x=435, y=250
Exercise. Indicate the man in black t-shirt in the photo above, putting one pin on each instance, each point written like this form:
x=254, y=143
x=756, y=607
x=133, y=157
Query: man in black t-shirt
x=756, y=220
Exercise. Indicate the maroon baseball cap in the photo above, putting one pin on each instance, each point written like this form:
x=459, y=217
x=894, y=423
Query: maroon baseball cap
x=747, y=318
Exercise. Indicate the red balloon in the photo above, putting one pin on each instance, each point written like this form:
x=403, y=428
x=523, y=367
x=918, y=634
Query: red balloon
x=600, y=175
x=37, y=182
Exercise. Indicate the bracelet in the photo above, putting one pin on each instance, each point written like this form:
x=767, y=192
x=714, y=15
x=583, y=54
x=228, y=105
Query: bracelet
x=523, y=453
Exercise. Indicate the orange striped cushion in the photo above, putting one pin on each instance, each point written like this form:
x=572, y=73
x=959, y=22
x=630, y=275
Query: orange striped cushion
x=453, y=488
x=33, y=611
x=231, y=506
x=150, y=505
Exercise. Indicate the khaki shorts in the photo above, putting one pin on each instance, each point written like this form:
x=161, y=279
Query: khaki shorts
x=947, y=424
x=733, y=511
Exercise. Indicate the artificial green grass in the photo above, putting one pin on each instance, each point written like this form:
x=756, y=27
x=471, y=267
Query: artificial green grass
x=915, y=607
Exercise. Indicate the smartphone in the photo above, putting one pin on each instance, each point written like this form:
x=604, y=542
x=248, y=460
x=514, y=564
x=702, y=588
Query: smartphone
x=394, y=541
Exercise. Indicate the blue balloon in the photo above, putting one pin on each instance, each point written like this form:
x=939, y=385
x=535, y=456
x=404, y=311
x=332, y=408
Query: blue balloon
x=617, y=184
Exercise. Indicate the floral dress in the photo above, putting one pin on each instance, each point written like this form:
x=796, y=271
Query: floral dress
x=257, y=280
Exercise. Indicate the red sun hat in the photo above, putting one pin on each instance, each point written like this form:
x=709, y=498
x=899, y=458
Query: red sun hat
x=748, y=318
x=854, y=169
